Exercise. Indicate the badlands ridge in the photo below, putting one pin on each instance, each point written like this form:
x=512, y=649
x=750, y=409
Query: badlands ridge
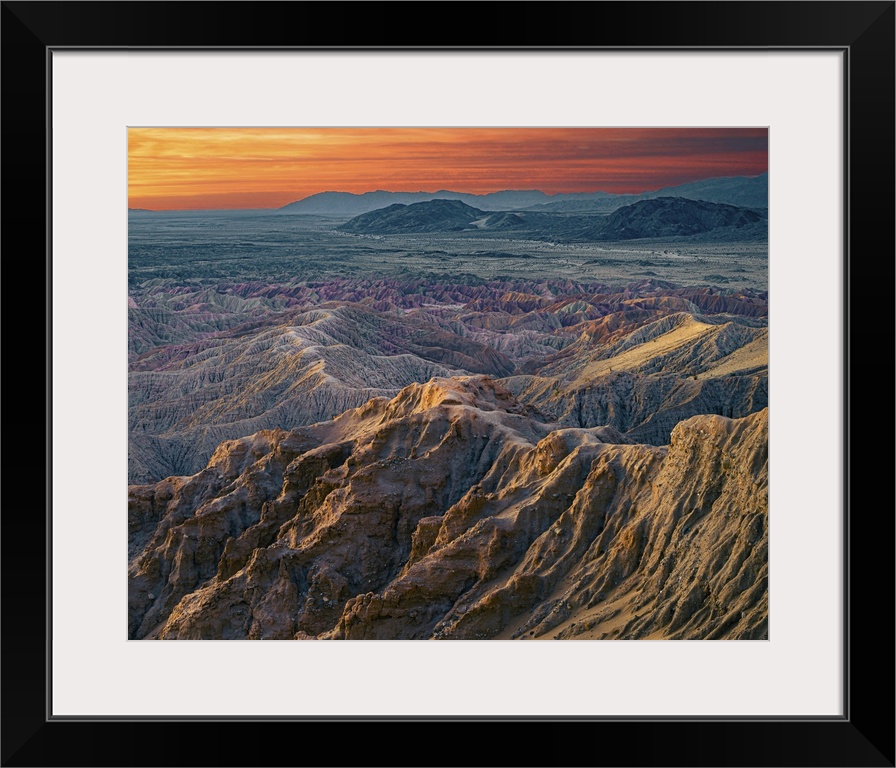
x=448, y=512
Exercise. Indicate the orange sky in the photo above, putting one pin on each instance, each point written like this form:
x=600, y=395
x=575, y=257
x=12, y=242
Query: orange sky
x=205, y=168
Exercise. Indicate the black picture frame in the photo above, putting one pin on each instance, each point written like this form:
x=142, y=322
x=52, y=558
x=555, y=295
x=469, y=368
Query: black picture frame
x=864, y=736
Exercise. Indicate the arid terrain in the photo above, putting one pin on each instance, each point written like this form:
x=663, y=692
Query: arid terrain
x=444, y=420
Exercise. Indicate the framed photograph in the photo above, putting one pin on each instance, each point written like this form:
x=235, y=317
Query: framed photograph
x=273, y=354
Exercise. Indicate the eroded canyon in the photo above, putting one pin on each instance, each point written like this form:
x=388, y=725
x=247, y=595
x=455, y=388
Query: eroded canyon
x=448, y=431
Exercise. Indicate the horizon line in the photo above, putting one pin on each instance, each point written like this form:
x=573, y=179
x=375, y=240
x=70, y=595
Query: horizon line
x=452, y=191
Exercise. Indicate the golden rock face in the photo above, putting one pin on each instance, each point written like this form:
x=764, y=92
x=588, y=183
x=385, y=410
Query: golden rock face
x=446, y=513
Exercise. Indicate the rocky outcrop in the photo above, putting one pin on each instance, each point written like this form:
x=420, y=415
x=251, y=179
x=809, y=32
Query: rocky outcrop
x=438, y=215
x=449, y=511
x=665, y=217
x=185, y=399
x=645, y=408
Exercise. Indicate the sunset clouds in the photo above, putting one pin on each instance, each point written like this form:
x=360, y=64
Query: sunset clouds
x=202, y=168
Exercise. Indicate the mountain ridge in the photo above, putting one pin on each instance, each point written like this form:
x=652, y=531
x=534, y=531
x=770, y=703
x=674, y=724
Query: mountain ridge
x=438, y=215
x=743, y=191
x=655, y=218
x=353, y=204
x=576, y=353
x=510, y=529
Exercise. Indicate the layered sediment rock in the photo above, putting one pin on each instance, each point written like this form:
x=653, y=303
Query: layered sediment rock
x=448, y=511
x=639, y=359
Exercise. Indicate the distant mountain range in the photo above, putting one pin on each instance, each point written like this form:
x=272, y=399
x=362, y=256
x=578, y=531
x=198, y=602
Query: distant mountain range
x=743, y=191
x=662, y=217
x=349, y=204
